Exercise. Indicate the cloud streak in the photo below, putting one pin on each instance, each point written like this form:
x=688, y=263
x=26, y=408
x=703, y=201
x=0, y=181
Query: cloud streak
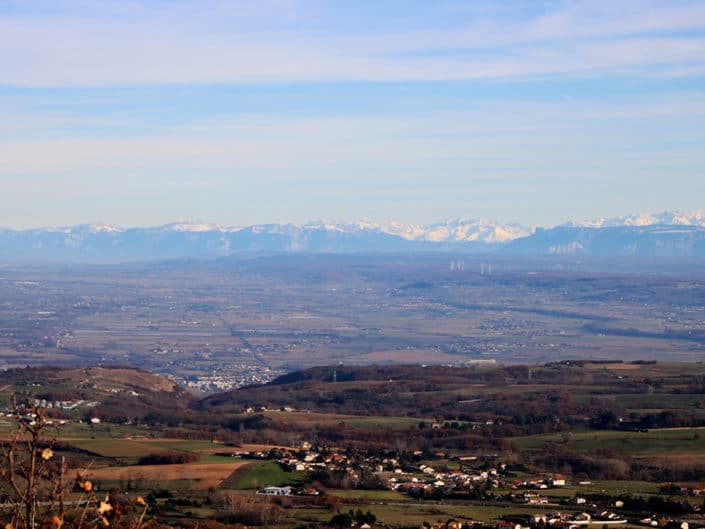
x=210, y=43
x=506, y=137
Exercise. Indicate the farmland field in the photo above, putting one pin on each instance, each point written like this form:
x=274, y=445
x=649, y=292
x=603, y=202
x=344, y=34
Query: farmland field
x=264, y=474
x=661, y=441
x=121, y=448
x=202, y=475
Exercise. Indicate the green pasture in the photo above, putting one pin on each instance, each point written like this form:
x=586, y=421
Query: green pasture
x=352, y=421
x=23, y=391
x=663, y=441
x=98, y=431
x=613, y=488
x=370, y=423
x=411, y=514
x=214, y=459
x=416, y=514
x=265, y=474
x=134, y=449
x=661, y=402
x=182, y=445
x=117, y=447
x=369, y=495
x=307, y=515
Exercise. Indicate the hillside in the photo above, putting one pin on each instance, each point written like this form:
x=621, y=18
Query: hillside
x=529, y=399
x=117, y=394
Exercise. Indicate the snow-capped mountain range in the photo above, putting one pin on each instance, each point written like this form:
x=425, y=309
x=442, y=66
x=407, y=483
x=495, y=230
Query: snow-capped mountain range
x=456, y=230
x=667, y=218
x=628, y=235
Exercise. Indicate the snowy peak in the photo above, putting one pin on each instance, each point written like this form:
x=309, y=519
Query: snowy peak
x=455, y=230
x=197, y=227
x=80, y=229
x=409, y=232
x=666, y=218
x=96, y=228
x=475, y=230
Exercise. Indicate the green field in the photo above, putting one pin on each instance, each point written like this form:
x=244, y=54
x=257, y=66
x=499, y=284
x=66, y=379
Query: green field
x=371, y=495
x=674, y=441
x=265, y=474
x=350, y=421
x=183, y=445
x=660, y=402
x=415, y=514
x=613, y=488
x=384, y=422
x=117, y=447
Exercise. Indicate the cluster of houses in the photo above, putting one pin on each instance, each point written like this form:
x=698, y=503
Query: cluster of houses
x=288, y=491
x=29, y=417
x=573, y=520
x=452, y=524
x=51, y=404
x=664, y=523
x=356, y=464
x=530, y=496
x=432, y=480
x=414, y=474
x=25, y=412
x=225, y=376
x=468, y=479
x=312, y=460
x=559, y=520
x=539, y=482
x=581, y=520
x=61, y=404
x=276, y=491
x=686, y=490
x=415, y=479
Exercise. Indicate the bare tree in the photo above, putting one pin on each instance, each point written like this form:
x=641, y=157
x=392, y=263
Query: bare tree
x=36, y=490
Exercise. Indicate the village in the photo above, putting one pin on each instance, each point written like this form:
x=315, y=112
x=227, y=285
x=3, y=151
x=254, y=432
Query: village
x=425, y=476
x=27, y=412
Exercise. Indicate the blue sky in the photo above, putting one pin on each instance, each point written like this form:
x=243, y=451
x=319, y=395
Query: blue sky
x=141, y=113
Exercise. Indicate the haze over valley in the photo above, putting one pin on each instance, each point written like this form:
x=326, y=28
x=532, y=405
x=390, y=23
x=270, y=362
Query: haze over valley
x=220, y=323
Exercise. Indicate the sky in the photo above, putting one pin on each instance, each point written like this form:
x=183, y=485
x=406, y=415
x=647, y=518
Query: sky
x=140, y=113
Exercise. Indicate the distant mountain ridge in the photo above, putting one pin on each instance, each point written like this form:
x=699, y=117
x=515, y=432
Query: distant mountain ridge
x=620, y=241
x=105, y=243
x=640, y=234
x=666, y=218
x=453, y=230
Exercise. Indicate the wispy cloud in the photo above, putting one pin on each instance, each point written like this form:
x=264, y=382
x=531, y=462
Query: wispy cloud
x=496, y=138
x=213, y=42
